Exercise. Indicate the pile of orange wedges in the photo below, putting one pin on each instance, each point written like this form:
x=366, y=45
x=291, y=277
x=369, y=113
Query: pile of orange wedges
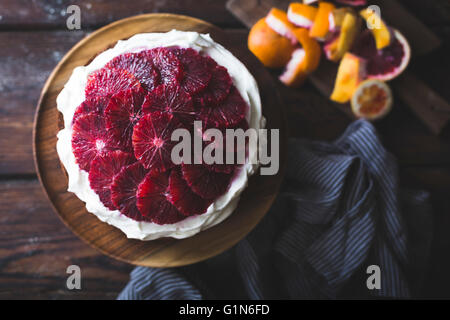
x=296, y=39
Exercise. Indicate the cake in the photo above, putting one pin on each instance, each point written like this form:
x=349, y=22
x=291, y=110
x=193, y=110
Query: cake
x=119, y=113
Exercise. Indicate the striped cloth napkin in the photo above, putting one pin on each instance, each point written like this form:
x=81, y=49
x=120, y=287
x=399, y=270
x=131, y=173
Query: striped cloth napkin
x=340, y=211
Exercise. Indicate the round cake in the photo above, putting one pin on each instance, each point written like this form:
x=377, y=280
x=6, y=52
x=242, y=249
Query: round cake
x=120, y=112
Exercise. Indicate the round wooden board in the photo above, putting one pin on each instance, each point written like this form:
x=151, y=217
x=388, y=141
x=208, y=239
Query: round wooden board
x=255, y=201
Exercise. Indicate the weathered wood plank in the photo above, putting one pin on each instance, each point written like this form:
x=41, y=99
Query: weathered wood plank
x=21, y=14
x=36, y=249
x=30, y=56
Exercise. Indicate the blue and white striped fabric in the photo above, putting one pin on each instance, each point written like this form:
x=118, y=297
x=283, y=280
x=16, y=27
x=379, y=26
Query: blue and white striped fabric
x=340, y=210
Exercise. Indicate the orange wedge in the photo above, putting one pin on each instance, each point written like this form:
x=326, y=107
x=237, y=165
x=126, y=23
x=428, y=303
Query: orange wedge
x=350, y=74
x=337, y=17
x=379, y=29
x=372, y=100
x=321, y=22
x=277, y=19
x=301, y=14
x=273, y=50
x=294, y=74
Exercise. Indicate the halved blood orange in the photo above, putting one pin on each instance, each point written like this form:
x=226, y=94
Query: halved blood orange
x=387, y=63
x=277, y=19
x=272, y=49
x=372, y=100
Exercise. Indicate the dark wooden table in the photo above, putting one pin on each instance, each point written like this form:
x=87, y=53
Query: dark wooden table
x=36, y=248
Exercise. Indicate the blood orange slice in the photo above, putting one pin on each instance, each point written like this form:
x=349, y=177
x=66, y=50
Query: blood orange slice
x=227, y=113
x=196, y=75
x=183, y=198
x=139, y=65
x=152, y=200
x=102, y=171
x=95, y=104
x=372, y=100
x=387, y=63
x=172, y=99
x=152, y=141
x=218, y=87
x=90, y=138
x=122, y=113
x=205, y=182
x=123, y=190
x=107, y=82
x=167, y=64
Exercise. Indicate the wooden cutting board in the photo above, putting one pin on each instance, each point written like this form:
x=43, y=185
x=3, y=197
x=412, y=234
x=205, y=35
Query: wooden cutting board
x=255, y=201
x=432, y=109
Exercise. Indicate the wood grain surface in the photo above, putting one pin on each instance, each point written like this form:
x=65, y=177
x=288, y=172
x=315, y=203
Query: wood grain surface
x=36, y=247
x=166, y=252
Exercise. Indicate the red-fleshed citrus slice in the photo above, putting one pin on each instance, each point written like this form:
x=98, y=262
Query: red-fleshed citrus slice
x=218, y=87
x=224, y=147
x=90, y=138
x=205, y=182
x=183, y=198
x=387, y=63
x=107, y=82
x=96, y=105
x=196, y=74
x=139, y=65
x=152, y=141
x=124, y=188
x=152, y=200
x=172, y=99
x=167, y=64
x=122, y=113
x=102, y=171
x=227, y=113
x=372, y=100
x=354, y=3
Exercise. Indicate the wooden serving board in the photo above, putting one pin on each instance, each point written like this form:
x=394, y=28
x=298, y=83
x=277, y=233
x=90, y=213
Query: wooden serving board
x=254, y=203
x=432, y=109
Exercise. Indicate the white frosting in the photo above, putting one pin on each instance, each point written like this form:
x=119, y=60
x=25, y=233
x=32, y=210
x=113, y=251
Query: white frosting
x=73, y=94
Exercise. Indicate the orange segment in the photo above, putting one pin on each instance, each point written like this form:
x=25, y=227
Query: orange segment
x=372, y=100
x=301, y=14
x=294, y=75
x=350, y=74
x=321, y=22
x=273, y=50
x=379, y=29
x=278, y=21
x=311, y=48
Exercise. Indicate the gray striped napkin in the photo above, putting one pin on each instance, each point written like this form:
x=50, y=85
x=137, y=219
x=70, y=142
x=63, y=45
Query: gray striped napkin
x=339, y=212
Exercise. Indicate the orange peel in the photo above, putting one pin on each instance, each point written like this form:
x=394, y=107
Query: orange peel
x=294, y=74
x=303, y=61
x=277, y=19
x=273, y=50
x=321, y=24
x=301, y=15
